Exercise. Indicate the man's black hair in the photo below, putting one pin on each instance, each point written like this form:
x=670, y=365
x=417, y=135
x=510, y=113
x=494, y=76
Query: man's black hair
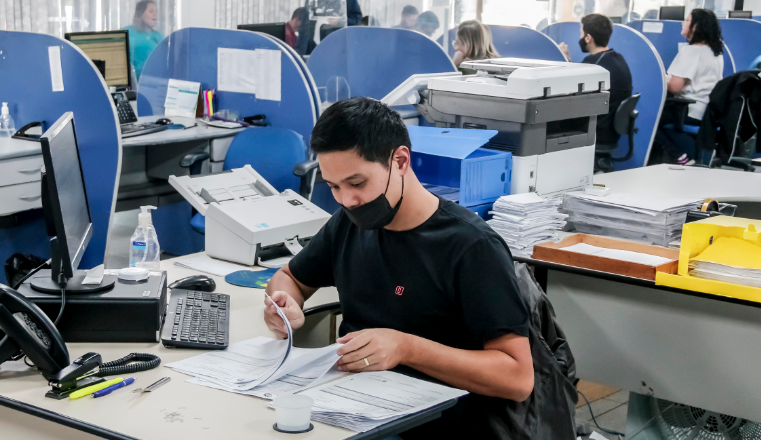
x=599, y=27
x=706, y=29
x=362, y=124
x=300, y=14
x=409, y=10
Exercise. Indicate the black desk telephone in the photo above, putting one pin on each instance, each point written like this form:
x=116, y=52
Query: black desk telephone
x=27, y=331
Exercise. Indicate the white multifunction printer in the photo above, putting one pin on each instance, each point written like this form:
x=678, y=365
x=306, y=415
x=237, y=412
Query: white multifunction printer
x=545, y=113
x=247, y=220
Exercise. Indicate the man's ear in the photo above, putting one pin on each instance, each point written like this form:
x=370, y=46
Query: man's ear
x=403, y=158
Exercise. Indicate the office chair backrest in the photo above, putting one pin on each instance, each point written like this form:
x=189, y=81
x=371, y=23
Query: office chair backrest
x=272, y=152
x=625, y=115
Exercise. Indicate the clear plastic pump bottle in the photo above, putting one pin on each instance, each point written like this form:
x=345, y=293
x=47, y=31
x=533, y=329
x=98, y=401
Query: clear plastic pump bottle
x=7, y=126
x=144, y=248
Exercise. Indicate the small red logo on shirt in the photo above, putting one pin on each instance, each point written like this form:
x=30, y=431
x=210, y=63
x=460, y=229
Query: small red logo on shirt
x=399, y=290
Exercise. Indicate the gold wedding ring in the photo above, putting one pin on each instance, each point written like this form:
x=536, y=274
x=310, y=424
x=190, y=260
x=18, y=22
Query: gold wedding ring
x=367, y=362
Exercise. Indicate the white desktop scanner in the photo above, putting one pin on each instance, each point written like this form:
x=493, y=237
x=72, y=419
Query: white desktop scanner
x=247, y=220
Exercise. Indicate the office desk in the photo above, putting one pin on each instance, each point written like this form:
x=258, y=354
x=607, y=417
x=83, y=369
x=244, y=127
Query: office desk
x=20, y=165
x=177, y=410
x=200, y=132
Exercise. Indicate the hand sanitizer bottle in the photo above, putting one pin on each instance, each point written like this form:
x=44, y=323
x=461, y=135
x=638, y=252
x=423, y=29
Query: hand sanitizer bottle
x=7, y=126
x=144, y=244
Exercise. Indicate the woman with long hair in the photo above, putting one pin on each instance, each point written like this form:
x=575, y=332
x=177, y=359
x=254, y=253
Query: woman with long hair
x=143, y=36
x=695, y=71
x=474, y=42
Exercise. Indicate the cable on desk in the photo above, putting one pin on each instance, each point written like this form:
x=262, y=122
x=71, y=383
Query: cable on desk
x=611, y=432
x=132, y=363
x=31, y=272
x=63, y=304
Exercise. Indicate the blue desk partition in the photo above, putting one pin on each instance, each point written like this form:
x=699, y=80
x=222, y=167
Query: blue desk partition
x=517, y=42
x=375, y=61
x=25, y=83
x=666, y=37
x=648, y=79
x=743, y=37
x=191, y=54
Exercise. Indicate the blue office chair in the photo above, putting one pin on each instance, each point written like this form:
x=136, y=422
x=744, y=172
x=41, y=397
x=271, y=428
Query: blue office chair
x=279, y=155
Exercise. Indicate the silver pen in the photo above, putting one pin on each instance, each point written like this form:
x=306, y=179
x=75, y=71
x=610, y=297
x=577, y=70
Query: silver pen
x=153, y=386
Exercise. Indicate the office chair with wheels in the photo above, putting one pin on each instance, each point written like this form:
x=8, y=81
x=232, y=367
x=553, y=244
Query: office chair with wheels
x=279, y=155
x=624, y=124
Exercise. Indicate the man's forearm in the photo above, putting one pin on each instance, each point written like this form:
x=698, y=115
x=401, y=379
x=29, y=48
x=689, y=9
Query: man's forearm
x=489, y=372
x=282, y=281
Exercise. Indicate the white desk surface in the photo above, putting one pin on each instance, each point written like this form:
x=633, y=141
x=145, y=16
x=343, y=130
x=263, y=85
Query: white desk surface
x=692, y=182
x=177, y=410
x=171, y=136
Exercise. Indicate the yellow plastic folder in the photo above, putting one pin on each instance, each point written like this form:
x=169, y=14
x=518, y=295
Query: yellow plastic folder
x=730, y=241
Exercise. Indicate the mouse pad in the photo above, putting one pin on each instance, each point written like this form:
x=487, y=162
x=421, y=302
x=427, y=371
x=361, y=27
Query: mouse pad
x=257, y=279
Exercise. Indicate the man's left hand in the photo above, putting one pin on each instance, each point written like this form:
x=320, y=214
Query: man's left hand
x=372, y=350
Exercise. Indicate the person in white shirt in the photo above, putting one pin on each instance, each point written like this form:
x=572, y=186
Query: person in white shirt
x=694, y=72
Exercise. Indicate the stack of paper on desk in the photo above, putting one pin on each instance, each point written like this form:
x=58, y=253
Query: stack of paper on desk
x=524, y=220
x=261, y=367
x=732, y=260
x=364, y=401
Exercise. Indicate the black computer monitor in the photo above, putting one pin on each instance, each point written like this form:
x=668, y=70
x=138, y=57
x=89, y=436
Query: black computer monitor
x=111, y=48
x=615, y=20
x=277, y=30
x=671, y=13
x=740, y=14
x=67, y=212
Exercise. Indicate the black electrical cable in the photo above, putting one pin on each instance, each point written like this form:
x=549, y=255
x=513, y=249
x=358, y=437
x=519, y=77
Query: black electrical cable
x=132, y=363
x=32, y=272
x=63, y=305
x=595, y=420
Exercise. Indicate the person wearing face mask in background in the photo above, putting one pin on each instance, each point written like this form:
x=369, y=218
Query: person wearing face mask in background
x=423, y=282
x=143, y=36
x=596, y=30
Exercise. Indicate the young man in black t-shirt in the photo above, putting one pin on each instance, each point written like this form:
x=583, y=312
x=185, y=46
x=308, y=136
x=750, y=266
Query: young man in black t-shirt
x=423, y=282
x=596, y=30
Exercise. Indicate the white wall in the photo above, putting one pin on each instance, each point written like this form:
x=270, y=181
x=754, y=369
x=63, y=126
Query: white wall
x=752, y=5
x=197, y=13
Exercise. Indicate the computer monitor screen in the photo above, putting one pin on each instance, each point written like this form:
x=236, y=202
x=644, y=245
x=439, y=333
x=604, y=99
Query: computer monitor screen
x=741, y=14
x=64, y=193
x=671, y=13
x=615, y=20
x=111, y=48
x=277, y=30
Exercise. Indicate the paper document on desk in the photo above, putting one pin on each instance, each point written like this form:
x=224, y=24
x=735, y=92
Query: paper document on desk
x=618, y=254
x=206, y=264
x=523, y=220
x=729, y=259
x=181, y=98
x=364, y=401
x=640, y=203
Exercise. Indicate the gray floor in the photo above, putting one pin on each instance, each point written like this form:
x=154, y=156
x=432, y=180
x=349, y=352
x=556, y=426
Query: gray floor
x=609, y=411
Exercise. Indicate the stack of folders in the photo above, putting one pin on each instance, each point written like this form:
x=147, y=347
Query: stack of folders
x=364, y=401
x=635, y=217
x=731, y=260
x=524, y=220
x=262, y=367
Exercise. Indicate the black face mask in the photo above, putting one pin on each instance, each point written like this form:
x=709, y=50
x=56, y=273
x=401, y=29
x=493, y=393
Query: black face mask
x=583, y=45
x=377, y=213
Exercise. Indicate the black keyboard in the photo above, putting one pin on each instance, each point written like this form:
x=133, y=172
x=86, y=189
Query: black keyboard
x=197, y=320
x=130, y=130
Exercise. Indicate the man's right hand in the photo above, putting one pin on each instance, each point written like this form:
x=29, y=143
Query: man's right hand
x=290, y=308
x=564, y=48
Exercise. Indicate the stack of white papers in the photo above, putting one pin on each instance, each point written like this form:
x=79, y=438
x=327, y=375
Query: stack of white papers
x=206, y=264
x=723, y=272
x=618, y=254
x=364, y=401
x=261, y=367
x=524, y=220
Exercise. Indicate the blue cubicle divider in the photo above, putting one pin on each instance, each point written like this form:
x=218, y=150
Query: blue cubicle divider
x=666, y=36
x=25, y=83
x=191, y=54
x=517, y=42
x=742, y=37
x=374, y=61
x=648, y=79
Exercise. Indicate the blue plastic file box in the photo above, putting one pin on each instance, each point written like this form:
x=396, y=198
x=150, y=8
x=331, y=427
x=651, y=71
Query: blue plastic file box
x=451, y=162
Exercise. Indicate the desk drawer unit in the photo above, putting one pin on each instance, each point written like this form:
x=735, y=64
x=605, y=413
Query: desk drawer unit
x=20, y=170
x=21, y=197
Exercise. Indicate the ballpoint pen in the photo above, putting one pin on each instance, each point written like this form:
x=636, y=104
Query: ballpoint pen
x=93, y=388
x=109, y=390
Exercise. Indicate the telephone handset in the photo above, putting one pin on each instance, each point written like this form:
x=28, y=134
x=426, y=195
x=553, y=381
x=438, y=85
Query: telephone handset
x=29, y=332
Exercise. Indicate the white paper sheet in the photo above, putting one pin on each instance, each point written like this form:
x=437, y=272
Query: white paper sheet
x=618, y=254
x=268, y=74
x=652, y=27
x=206, y=264
x=56, y=72
x=236, y=70
x=181, y=98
